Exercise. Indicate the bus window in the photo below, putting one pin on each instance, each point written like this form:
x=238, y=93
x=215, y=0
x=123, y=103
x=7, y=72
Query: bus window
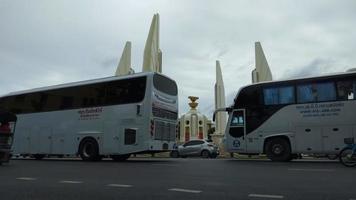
x=305, y=93
x=345, y=90
x=280, y=95
x=316, y=92
x=270, y=96
x=286, y=95
x=326, y=91
x=237, y=119
x=165, y=85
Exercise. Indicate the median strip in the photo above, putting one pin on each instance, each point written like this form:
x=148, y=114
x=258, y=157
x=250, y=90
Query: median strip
x=185, y=190
x=266, y=196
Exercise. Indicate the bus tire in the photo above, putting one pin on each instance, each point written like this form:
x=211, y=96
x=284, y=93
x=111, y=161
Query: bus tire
x=347, y=157
x=38, y=156
x=89, y=150
x=120, y=158
x=278, y=149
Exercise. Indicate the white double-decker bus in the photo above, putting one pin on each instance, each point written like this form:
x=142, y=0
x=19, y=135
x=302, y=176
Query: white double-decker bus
x=285, y=118
x=114, y=116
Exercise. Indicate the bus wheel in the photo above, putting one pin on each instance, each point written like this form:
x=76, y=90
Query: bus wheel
x=278, y=149
x=120, y=157
x=38, y=156
x=89, y=150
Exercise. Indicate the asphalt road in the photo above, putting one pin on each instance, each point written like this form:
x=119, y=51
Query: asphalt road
x=154, y=178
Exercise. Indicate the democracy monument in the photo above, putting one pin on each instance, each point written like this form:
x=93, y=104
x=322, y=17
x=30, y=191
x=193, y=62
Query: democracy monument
x=193, y=124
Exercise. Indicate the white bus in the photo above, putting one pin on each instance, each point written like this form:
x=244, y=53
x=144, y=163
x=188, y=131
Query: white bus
x=114, y=116
x=285, y=118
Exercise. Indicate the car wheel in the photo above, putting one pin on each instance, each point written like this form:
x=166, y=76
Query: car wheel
x=214, y=155
x=174, y=154
x=205, y=154
x=89, y=150
x=278, y=149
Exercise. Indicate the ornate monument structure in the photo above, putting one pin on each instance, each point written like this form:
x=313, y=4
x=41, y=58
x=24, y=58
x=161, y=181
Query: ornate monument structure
x=193, y=124
x=220, y=122
x=262, y=71
x=124, y=67
x=152, y=57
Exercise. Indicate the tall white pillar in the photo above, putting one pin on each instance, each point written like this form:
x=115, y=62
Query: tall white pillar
x=220, y=118
x=262, y=71
x=124, y=66
x=152, y=58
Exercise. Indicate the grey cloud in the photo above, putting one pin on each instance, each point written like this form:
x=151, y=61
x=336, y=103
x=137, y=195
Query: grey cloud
x=316, y=67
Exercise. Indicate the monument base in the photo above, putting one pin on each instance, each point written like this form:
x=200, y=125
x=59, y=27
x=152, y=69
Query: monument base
x=218, y=140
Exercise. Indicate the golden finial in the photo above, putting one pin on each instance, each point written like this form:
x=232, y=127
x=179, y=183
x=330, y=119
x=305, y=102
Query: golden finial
x=193, y=104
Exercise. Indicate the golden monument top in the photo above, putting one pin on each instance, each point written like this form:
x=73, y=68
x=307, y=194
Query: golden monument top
x=193, y=104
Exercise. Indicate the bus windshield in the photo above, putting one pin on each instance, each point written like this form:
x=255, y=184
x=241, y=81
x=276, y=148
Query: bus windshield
x=165, y=85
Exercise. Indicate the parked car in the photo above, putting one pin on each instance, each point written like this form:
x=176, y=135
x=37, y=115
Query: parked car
x=201, y=148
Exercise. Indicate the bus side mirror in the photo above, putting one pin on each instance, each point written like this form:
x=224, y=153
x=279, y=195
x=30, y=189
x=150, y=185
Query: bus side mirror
x=228, y=109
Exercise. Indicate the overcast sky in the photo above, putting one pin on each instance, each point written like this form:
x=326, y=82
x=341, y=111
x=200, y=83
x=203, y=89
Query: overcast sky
x=52, y=42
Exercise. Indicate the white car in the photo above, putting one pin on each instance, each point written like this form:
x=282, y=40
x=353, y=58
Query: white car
x=201, y=148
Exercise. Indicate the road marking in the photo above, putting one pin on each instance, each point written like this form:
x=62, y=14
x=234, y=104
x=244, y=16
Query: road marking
x=266, y=196
x=119, y=185
x=26, y=178
x=71, y=182
x=185, y=190
x=311, y=170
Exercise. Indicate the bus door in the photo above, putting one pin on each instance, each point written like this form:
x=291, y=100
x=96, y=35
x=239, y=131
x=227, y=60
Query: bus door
x=237, y=131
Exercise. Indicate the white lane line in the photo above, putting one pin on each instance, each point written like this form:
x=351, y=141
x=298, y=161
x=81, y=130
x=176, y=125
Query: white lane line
x=311, y=170
x=119, y=185
x=26, y=178
x=185, y=190
x=71, y=182
x=266, y=196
